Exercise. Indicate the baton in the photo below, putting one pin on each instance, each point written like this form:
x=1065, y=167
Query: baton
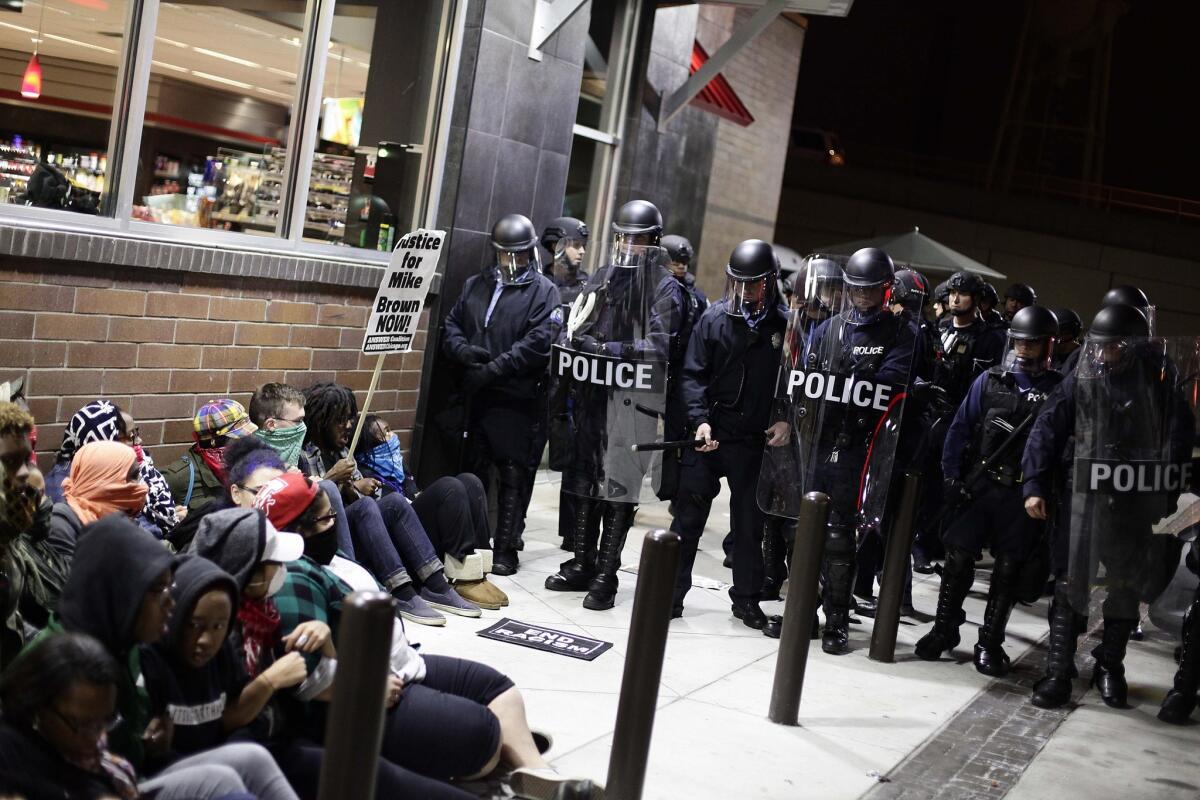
x=982, y=467
x=683, y=444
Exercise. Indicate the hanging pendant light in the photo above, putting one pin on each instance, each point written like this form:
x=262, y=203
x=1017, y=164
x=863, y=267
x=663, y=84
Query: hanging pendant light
x=31, y=81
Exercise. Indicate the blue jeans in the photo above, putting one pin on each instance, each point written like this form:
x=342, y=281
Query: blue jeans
x=387, y=538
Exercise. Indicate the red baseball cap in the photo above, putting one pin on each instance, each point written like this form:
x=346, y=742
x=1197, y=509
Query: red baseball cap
x=285, y=498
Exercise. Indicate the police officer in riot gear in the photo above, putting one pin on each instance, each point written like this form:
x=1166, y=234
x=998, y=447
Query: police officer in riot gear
x=1119, y=295
x=981, y=464
x=988, y=300
x=1070, y=329
x=565, y=239
x=941, y=302
x=1016, y=297
x=819, y=284
x=910, y=292
x=1124, y=406
x=499, y=333
x=679, y=257
x=1180, y=701
x=629, y=310
x=733, y=353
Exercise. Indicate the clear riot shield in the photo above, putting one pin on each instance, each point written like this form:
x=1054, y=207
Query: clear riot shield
x=1131, y=496
x=841, y=388
x=609, y=371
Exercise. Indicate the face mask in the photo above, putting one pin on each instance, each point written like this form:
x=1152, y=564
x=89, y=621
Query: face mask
x=285, y=441
x=277, y=581
x=387, y=460
x=322, y=547
x=141, y=453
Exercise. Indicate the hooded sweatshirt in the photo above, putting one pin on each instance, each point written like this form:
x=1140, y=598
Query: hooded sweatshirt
x=195, y=699
x=116, y=563
x=234, y=539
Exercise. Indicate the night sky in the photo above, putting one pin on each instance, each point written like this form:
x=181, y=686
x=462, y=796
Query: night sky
x=930, y=77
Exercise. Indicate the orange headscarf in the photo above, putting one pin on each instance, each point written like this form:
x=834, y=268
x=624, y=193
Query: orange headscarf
x=99, y=483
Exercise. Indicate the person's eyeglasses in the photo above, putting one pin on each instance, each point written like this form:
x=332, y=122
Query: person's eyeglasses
x=254, y=490
x=330, y=517
x=291, y=422
x=94, y=728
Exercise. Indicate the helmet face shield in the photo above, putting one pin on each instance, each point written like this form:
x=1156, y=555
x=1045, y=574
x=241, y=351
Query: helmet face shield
x=512, y=266
x=749, y=298
x=568, y=256
x=866, y=299
x=1029, y=354
x=630, y=250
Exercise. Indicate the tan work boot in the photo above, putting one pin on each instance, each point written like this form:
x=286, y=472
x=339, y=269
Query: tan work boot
x=480, y=593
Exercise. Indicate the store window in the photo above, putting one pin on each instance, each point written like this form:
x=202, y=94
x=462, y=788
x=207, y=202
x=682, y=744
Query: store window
x=62, y=59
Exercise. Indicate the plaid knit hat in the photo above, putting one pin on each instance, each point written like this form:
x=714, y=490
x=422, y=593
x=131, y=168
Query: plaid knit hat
x=223, y=417
x=285, y=498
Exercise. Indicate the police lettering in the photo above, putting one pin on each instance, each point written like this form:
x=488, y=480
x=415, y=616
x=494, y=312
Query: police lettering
x=1147, y=477
x=843, y=389
x=605, y=371
x=863, y=350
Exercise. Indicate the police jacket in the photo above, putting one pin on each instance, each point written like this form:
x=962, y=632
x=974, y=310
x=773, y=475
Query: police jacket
x=512, y=322
x=627, y=324
x=730, y=369
x=694, y=304
x=999, y=401
x=879, y=346
x=966, y=352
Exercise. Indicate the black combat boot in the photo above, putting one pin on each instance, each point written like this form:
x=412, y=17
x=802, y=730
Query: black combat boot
x=1180, y=702
x=575, y=575
x=836, y=592
x=957, y=577
x=567, y=505
x=774, y=550
x=990, y=658
x=1108, y=674
x=510, y=502
x=602, y=592
x=1054, y=689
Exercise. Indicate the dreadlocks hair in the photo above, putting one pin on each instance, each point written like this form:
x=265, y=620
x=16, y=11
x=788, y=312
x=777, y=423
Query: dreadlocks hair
x=325, y=404
x=270, y=399
x=14, y=420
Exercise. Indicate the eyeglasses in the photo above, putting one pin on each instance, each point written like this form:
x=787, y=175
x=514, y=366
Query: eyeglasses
x=90, y=729
x=330, y=517
x=293, y=422
x=254, y=490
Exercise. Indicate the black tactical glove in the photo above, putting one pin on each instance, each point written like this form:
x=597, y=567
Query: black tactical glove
x=955, y=492
x=477, y=377
x=587, y=344
x=476, y=355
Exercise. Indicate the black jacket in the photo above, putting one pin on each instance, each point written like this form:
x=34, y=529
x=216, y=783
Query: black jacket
x=518, y=335
x=30, y=768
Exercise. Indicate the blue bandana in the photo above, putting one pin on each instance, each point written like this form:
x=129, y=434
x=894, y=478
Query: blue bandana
x=386, y=461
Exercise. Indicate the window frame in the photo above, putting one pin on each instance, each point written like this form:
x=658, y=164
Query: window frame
x=128, y=123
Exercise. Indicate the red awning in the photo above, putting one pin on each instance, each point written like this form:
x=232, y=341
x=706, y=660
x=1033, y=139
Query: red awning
x=718, y=96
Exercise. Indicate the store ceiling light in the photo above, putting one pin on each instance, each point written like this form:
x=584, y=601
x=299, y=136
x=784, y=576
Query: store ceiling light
x=165, y=65
x=78, y=43
x=234, y=59
x=282, y=72
x=170, y=42
x=20, y=28
x=218, y=79
x=273, y=93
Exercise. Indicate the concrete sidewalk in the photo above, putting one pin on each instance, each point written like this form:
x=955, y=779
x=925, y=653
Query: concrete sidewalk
x=860, y=720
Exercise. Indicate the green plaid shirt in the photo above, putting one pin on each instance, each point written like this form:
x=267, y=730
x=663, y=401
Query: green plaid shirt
x=310, y=592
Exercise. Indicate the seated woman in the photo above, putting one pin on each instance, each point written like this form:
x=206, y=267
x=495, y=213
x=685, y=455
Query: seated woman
x=198, y=477
x=449, y=719
x=103, y=421
x=104, y=480
x=119, y=594
x=453, y=511
x=387, y=536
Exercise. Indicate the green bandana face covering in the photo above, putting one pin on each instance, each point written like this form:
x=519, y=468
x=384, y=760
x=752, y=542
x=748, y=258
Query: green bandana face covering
x=286, y=441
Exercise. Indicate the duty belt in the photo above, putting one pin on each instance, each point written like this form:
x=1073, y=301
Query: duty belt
x=1005, y=475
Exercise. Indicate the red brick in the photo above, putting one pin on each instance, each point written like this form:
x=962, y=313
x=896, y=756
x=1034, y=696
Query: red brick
x=35, y=297
x=410, y=380
x=236, y=309
x=201, y=332
x=355, y=380
x=50, y=434
x=284, y=358
x=351, y=338
x=164, y=304
x=16, y=353
x=230, y=357
x=110, y=301
x=49, y=382
x=151, y=432
x=16, y=326
x=166, y=454
x=295, y=313
x=383, y=401
x=72, y=403
x=136, y=381
x=107, y=354
x=335, y=359
x=344, y=316
x=262, y=333
x=170, y=356
x=302, y=379
x=94, y=276
x=250, y=380
x=44, y=408
x=70, y=326
x=140, y=329
x=214, y=287
x=163, y=406
x=407, y=401
x=201, y=381
x=179, y=430
x=315, y=337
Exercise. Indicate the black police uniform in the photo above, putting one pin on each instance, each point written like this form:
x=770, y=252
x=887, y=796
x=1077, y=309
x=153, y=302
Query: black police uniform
x=693, y=304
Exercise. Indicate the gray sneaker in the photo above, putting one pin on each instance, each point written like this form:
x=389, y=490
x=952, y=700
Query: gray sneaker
x=450, y=602
x=418, y=611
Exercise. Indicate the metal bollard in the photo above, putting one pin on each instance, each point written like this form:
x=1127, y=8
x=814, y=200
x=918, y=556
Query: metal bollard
x=799, y=609
x=354, y=731
x=643, y=665
x=895, y=565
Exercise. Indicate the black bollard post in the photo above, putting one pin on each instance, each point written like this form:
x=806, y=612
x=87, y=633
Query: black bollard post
x=799, y=609
x=643, y=666
x=354, y=730
x=895, y=565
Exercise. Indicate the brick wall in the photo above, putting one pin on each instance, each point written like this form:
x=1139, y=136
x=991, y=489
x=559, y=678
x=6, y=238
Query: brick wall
x=161, y=346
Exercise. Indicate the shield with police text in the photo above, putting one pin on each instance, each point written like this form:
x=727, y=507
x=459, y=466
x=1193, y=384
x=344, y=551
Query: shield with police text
x=1131, y=484
x=609, y=373
x=840, y=395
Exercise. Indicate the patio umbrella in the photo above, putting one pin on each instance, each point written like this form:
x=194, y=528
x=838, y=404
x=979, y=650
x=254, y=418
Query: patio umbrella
x=917, y=251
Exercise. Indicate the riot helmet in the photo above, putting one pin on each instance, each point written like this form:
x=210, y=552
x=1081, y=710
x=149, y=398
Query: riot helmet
x=822, y=286
x=1016, y=297
x=515, y=242
x=910, y=290
x=1031, y=339
x=1111, y=338
x=964, y=284
x=679, y=254
x=566, y=240
x=941, y=298
x=1069, y=324
x=869, y=274
x=1131, y=296
x=750, y=280
x=638, y=225
x=988, y=298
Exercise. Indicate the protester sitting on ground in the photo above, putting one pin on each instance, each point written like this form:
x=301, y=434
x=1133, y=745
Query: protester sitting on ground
x=244, y=544
x=198, y=477
x=104, y=480
x=453, y=511
x=103, y=421
x=449, y=718
x=58, y=700
x=119, y=593
x=387, y=534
